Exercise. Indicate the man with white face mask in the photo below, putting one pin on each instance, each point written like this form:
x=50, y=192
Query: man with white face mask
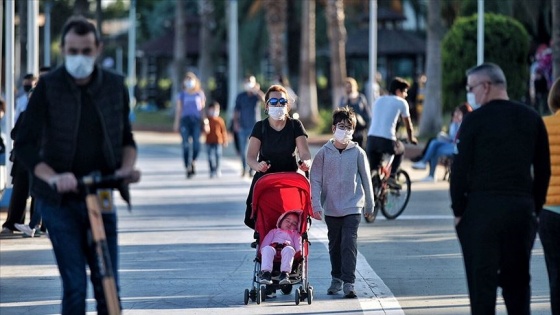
x=498, y=185
x=79, y=116
x=246, y=113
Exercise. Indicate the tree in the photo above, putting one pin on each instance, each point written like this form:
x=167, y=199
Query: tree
x=205, y=68
x=430, y=121
x=555, y=39
x=179, y=51
x=506, y=43
x=337, y=44
x=308, y=107
x=81, y=7
x=275, y=15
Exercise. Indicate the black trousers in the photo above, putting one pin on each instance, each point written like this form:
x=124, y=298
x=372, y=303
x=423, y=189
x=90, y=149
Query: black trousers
x=497, y=233
x=377, y=146
x=18, y=200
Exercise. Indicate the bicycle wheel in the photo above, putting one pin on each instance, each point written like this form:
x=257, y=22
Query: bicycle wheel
x=396, y=199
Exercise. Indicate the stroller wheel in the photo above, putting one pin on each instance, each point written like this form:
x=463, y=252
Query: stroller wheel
x=259, y=296
x=286, y=289
x=297, y=296
x=246, y=297
x=309, y=294
x=253, y=294
x=263, y=293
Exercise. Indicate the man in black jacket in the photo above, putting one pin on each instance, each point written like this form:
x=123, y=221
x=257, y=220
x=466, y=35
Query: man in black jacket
x=79, y=114
x=498, y=185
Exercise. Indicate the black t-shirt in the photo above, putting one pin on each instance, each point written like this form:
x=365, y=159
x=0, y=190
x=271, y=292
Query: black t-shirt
x=279, y=147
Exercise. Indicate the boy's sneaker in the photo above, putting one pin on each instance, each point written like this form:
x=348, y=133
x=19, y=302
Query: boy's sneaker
x=336, y=285
x=284, y=278
x=266, y=278
x=349, y=290
x=419, y=165
x=25, y=229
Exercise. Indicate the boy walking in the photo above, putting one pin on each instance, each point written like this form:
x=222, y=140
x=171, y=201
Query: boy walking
x=341, y=189
x=216, y=138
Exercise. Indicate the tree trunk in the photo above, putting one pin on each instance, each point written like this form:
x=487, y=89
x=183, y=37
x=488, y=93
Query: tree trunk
x=308, y=109
x=555, y=39
x=179, y=49
x=430, y=121
x=337, y=44
x=99, y=18
x=205, y=64
x=81, y=7
x=276, y=12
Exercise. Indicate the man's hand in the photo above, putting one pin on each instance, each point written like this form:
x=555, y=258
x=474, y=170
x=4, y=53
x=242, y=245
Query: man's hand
x=318, y=215
x=129, y=175
x=64, y=182
x=413, y=140
x=457, y=220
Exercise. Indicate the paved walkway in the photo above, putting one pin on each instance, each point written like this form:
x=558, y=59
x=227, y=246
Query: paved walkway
x=183, y=250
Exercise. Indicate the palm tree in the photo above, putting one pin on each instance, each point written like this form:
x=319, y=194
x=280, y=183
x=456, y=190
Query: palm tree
x=205, y=64
x=308, y=108
x=179, y=50
x=337, y=43
x=430, y=122
x=555, y=39
x=275, y=15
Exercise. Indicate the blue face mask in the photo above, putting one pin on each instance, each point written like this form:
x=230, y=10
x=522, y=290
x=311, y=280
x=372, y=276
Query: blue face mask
x=471, y=99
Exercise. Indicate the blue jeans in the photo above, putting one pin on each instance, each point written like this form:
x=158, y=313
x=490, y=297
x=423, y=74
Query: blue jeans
x=190, y=132
x=214, y=152
x=549, y=232
x=437, y=149
x=244, y=135
x=72, y=241
x=343, y=246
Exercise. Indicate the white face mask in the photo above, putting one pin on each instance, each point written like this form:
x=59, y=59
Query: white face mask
x=249, y=86
x=213, y=113
x=277, y=113
x=471, y=99
x=343, y=136
x=189, y=84
x=79, y=66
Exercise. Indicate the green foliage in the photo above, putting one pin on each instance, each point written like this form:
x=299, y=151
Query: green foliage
x=506, y=43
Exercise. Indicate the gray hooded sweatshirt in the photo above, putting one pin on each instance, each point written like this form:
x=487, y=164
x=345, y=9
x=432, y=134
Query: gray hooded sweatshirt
x=341, y=181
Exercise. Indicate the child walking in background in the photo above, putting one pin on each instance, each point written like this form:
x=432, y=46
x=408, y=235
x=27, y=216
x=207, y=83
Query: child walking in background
x=341, y=189
x=216, y=138
x=286, y=238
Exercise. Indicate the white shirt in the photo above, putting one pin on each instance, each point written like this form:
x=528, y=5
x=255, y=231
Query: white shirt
x=385, y=114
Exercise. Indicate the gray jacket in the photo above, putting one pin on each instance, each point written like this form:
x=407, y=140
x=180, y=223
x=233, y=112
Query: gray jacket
x=341, y=182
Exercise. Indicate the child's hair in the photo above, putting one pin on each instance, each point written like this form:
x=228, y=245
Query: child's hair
x=287, y=215
x=344, y=114
x=213, y=105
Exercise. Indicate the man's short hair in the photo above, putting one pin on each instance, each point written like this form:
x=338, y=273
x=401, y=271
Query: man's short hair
x=29, y=76
x=492, y=71
x=398, y=84
x=81, y=26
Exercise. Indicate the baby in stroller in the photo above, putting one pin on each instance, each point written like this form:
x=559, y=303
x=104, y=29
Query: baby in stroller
x=284, y=239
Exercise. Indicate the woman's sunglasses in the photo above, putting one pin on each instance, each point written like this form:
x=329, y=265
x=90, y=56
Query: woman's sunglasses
x=277, y=101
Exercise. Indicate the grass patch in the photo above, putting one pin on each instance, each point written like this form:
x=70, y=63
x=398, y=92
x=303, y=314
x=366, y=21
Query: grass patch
x=160, y=120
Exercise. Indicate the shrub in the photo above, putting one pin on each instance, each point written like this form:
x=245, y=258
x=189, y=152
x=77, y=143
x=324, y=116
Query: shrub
x=506, y=43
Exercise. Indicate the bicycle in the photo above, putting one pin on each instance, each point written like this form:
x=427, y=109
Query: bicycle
x=390, y=199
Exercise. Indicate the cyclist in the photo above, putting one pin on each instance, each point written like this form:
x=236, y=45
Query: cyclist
x=382, y=137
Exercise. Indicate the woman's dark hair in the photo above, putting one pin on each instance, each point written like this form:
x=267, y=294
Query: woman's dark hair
x=81, y=26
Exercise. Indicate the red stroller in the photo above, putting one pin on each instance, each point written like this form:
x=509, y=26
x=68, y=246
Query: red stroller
x=273, y=195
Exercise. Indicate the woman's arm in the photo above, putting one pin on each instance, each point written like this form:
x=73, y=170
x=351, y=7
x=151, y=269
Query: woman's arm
x=252, y=154
x=304, y=153
x=178, y=109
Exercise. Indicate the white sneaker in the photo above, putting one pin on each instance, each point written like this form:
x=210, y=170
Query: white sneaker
x=427, y=179
x=419, y=165
x=25, y=229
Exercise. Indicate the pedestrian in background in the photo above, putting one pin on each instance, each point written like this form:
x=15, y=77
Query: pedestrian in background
x=358, y=102
x=189, y=119
x=79, y=116
x=341, y=189
x=216, y=138
x=246, y=113
x=549, y=219
x=498, y=185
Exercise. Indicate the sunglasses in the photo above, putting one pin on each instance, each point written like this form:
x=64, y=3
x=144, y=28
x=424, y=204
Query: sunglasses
x=277, y=101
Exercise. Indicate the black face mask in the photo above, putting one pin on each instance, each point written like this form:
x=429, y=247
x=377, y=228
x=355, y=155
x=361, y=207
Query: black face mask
x=27, y=88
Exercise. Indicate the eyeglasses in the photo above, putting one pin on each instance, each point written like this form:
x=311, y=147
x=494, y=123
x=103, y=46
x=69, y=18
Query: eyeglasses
x=470, y=88
x=344, y=127
x=277, y=101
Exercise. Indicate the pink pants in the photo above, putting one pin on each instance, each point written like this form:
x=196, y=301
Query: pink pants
x=267, y=258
